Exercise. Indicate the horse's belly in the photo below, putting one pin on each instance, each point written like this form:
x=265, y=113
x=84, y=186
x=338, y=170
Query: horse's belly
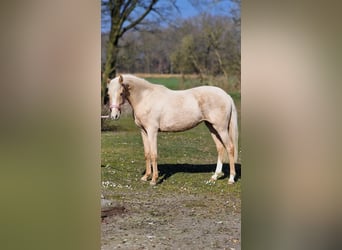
x=179, y=122
x=179, y=112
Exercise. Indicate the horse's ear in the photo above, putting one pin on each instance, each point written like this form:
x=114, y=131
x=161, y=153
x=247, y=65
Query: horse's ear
x=125, y=85
x=120, y=79
x=108, y=81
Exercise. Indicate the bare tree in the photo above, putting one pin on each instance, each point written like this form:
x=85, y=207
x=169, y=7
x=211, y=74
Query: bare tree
x=207, y=45
x=125, y=15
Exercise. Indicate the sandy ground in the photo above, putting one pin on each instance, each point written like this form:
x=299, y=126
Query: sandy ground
x=153, y=220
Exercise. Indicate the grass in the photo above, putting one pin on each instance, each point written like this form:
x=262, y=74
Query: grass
x=186, y=159
x=169, y=82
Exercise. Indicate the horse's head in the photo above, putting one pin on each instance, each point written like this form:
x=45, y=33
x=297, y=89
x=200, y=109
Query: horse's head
x=117, y=92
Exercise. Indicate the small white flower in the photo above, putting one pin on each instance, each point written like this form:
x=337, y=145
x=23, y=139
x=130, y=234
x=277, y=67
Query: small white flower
x=150, y=237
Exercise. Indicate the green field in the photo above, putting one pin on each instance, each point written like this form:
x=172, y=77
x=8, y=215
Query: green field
x=170, y=82
x=186, y=159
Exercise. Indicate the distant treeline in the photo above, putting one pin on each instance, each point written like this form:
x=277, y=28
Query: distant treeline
x=202, y=45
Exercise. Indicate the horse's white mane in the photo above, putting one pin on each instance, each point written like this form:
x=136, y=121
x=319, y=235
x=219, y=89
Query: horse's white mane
x=134, y=78
x=137, y=81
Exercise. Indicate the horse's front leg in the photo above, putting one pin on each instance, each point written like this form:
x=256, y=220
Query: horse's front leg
x=152, y=138
x=147, y=156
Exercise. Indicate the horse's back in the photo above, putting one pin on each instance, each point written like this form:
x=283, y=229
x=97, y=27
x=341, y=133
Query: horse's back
x=210, y=91
x=211, y=96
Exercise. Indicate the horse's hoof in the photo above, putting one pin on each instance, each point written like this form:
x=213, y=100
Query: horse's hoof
x=216, y=176
x=213, y=178
x=231, y=179
x=153, y=183
x=144, y=178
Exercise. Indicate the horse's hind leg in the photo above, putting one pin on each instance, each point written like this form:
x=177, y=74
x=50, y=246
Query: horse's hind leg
x=220, y=151
x=220, y=156
x=227, y=143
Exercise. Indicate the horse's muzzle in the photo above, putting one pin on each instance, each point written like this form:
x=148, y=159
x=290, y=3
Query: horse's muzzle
x=115, y=114
x=116, y=117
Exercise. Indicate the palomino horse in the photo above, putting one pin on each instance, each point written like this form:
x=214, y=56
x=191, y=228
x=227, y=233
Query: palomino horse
x=157, y=108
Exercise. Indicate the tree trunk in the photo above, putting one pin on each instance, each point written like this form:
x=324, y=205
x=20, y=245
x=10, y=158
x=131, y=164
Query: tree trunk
x=221, y=64
x=110, y=66
x=120, y=11
x=111, y=59
x=112, y=47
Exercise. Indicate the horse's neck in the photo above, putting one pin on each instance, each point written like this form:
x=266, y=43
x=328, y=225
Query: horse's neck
x=136, y=92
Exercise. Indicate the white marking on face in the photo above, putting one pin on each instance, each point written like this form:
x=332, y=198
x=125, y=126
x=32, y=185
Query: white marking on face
x=114, y=92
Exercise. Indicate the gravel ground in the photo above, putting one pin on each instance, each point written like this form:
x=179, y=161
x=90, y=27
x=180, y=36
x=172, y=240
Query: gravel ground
x=153, y=220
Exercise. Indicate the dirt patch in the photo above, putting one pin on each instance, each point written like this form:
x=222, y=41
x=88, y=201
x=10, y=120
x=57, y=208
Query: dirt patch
x=151, y=219
x=111, y=211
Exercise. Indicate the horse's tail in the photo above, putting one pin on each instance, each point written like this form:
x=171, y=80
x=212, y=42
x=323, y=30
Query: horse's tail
x=233, y=130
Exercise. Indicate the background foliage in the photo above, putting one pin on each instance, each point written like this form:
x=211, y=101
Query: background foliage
x=153, y=37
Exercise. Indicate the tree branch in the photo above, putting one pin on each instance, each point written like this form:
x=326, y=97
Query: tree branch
x=139, y=19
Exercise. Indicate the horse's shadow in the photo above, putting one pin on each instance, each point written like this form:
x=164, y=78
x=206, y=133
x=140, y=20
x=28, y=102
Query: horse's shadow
x=167, y=170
